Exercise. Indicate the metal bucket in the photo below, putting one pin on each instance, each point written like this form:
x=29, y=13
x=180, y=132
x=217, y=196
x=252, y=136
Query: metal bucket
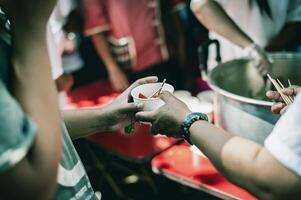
x=240, y=105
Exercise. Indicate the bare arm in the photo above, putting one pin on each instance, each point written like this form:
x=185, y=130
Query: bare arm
x=113, y=116
x=246, y=163
x=242, y=161
x=117, y=78
x=35, y=176
x=213, y=16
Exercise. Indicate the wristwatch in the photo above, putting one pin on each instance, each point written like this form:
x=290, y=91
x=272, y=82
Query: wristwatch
x=189, y=120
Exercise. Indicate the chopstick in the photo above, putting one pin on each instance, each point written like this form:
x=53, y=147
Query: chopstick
x=279, y=86
x=159, y=90
x=290, y=98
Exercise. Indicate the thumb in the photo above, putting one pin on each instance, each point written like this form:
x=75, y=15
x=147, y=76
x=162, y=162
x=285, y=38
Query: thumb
x=146, y=116
x=131, y=107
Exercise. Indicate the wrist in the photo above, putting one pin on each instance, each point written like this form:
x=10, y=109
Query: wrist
x=188, y=121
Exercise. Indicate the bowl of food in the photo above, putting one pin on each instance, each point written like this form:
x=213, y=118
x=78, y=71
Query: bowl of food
x=148, y=94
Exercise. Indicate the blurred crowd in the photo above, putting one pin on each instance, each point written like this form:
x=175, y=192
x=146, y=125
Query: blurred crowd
x=124, y=41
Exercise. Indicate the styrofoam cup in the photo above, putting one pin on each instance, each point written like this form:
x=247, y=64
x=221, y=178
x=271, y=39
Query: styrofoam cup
x=148, y=90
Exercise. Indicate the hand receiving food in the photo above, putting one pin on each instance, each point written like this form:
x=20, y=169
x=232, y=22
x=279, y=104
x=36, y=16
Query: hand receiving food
x=279, y=106
x=120, y=112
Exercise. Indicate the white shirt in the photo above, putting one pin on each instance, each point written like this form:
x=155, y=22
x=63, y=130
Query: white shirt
x=284, y=142
x=258, y=26
x=55, y=35
x=54, y=55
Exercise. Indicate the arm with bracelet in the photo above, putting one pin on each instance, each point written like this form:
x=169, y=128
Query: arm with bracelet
x=242, y=161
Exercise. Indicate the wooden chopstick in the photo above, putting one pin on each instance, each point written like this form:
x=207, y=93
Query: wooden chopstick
x=159, y=90
x=279, y=89
x=287, y=96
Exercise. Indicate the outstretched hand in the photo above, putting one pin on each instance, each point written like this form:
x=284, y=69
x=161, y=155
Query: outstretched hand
x=120, y=112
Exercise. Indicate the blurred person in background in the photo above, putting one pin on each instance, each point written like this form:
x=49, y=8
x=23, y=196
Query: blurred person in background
x=136, y=39
x=62, y=47
x=268, y=172
x=250, y=27
x=37, y=157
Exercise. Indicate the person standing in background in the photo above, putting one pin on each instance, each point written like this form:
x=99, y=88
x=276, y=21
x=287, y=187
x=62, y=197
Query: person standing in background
x=249, y=27
x=130, y=38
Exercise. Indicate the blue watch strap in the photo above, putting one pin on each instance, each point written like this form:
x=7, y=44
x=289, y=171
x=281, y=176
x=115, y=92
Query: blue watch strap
x=189, y=120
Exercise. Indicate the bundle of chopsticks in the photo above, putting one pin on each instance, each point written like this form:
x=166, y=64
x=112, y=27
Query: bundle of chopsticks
x=279, y=87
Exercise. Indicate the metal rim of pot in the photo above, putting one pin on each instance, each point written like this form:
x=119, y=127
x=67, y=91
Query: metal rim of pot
x=286, y=55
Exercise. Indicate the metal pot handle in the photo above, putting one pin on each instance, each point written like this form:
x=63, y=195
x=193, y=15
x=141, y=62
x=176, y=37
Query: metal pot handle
x=203, y=50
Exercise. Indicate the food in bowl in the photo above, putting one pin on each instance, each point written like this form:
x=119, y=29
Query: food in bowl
x=142, y=93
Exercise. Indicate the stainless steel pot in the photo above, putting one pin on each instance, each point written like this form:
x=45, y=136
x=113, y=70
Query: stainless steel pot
x=240, y=105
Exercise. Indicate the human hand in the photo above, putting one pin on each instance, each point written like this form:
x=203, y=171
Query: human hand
x=259, y=58
x=279, y=106
x=167, y=119
x=118, y=79
x=69, y=44
x=121, y=113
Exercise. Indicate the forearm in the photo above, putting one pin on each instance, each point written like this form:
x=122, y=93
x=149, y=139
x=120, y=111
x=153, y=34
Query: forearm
x=83, y=122
x=213, y=16
x=102, y=47
x=243, y=162
x=34, y=89
x=289, y=37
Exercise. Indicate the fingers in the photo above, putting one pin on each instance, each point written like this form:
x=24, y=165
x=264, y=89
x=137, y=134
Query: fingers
x=292, y=91
x=131, y=108
x=149, y=79
x=146, y=116
x=277, y=107
x=282, y=111
x=262, y=69
x=273, y=95
x=167, y=96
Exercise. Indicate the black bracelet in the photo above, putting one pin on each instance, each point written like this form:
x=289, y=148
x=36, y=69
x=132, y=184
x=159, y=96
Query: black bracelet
x=189, y=120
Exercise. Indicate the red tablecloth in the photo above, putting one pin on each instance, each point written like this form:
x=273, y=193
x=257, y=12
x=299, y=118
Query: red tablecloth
x=139, y=145
x=177, y=164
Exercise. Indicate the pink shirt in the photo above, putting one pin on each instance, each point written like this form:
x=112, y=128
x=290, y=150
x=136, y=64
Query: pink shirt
x=138, y=20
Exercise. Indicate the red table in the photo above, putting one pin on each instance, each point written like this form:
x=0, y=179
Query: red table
x=176, y=163
x=138, y=146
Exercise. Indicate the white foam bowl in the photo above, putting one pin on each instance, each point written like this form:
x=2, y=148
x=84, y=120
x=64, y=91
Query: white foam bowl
x=148, y=90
